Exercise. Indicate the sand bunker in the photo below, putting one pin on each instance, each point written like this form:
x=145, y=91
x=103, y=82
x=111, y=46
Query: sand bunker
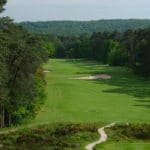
x=46, y=71
x=95, y=77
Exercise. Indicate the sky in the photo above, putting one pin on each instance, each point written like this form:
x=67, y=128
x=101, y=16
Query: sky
x=43, y=10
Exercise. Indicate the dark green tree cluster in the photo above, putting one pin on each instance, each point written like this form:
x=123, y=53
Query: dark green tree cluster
x=2, y=3
x=137, y=46
x=21, y=76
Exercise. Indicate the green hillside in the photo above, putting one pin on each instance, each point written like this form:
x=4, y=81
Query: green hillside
x=82, y=27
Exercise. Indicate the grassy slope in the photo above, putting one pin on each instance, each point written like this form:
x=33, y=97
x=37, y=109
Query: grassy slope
x=124, y=98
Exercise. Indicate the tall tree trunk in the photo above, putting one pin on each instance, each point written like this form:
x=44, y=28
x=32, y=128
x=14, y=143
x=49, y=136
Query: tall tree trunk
x=9, y=123
x=2, y=117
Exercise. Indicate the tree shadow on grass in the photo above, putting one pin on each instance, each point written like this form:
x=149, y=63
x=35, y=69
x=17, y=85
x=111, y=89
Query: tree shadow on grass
x=126, y=82
x=143, y=103
x=123, y=81
x=131, y=86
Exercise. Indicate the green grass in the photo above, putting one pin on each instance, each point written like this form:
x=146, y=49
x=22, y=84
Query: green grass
x=124, y=98
x=124, y=146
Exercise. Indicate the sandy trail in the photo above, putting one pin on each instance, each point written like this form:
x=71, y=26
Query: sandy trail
x=95, y=77
x=103, y=137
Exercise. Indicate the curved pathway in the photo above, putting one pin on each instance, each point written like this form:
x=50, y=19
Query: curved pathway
x=103, y=137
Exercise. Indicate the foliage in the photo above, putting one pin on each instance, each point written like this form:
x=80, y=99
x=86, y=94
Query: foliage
x=50, y=47
x=116, y=56
x=127, y=136
x=69, y=136
x=22, y=54
x=76, y=28
x=53, y=136
x=134, y=131
x=2, y=2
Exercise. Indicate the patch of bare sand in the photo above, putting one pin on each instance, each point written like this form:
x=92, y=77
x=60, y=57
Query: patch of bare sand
x=46, y=71
x=95, y=77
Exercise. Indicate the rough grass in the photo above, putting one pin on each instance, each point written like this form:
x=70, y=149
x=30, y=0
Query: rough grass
x=124, y=98
x=129, y=131
x=77, y=136
x=54, y=136
x=127, y=137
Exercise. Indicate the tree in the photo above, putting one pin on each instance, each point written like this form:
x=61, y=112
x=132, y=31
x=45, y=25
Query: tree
x=130, y=44
x=142, y=61
x=116, y=56
x=21, y=83
x=3, y=84
x=99, y=42
x=137, y=47
x=3, y=70
x=2, y=3
x=50, y=47
x=60, y=49
x=22, y=55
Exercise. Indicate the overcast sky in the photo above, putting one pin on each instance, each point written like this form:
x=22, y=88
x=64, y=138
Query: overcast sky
x=35, y=10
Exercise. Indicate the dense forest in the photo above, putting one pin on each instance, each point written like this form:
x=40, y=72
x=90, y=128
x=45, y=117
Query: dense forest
x=75, y=28
x=21, y=75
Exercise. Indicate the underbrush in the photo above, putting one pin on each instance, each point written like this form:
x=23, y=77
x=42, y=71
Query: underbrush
x=127, y=136
x=55, y=137
x=71, y=136
x=129, y=131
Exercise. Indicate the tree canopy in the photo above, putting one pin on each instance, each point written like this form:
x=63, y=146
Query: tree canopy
x=2, y=3
x=76, y=28
x=21, y=75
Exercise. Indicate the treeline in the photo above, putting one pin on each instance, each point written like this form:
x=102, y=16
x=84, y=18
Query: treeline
x=21, y=75
x=75, y=28
x=131, y=48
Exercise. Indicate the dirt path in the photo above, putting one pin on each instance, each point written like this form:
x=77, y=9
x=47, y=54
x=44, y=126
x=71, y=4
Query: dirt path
x=103, y=137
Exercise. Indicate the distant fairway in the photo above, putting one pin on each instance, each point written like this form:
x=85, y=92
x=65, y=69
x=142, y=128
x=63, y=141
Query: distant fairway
x=123, y=98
